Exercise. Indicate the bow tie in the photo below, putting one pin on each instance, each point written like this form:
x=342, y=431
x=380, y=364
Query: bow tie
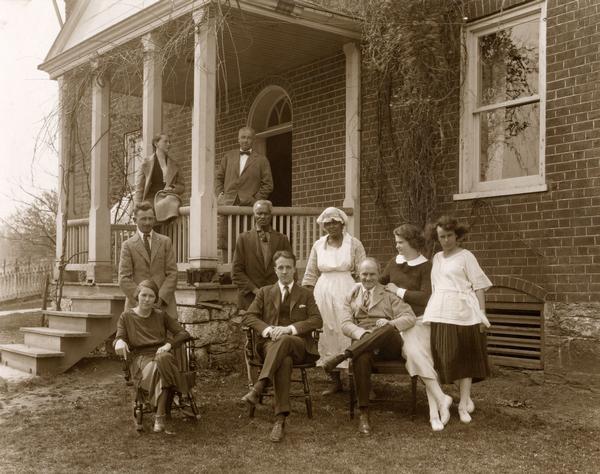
x=242, y=152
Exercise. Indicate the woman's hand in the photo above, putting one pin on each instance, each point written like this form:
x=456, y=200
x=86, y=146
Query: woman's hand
x=381, y=322
x=391, y=288
x=166, y=348
x=121, y=348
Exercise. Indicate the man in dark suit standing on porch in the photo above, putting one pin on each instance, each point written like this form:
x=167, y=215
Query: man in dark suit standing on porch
x=242, y=177
x=283, y=315
x=252, y=261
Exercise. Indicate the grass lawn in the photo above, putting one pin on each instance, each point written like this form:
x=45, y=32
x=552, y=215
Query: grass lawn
x=81, y=422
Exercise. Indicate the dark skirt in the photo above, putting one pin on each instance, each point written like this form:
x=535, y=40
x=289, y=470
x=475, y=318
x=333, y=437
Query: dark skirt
x=459, y=352
x=155, y=372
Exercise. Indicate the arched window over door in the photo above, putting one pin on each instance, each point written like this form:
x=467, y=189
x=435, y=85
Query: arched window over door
x=271, y=117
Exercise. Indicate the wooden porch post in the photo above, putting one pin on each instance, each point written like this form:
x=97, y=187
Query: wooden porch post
x=99, y=262
x=203, y=206
x=63, y=171
x=353, y=128
x=152, y=93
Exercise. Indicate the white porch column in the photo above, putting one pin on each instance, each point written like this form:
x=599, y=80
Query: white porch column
x=352, y=188
x=99, y=262
x=203, y=206
x=63, y=172
x=152, y=92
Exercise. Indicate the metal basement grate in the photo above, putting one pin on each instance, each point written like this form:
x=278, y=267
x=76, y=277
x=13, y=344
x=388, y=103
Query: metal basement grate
x=515, y=338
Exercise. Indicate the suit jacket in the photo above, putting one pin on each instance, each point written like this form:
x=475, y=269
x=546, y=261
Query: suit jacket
x=356, y=319
x=144, y=177
x=304, y=313
x=249, y=271
x=253, y=184
x=135, y=266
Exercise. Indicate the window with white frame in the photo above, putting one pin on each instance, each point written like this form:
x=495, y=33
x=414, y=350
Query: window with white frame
x=503, y=99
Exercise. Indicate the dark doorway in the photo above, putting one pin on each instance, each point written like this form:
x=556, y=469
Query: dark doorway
x=279, y=152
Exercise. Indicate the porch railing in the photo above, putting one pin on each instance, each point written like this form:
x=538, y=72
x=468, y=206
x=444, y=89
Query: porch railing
x=76, y=251
x=298, y=223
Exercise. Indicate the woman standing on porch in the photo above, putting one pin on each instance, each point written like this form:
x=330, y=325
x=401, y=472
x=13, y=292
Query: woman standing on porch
x=333, y=260
x=159, y=174
x=456, y=312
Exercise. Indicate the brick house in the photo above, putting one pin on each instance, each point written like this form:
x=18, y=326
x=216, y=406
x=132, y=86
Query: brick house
x=293, y=70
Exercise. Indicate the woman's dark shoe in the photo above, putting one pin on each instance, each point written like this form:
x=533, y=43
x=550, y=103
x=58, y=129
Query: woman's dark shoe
x=252, y=397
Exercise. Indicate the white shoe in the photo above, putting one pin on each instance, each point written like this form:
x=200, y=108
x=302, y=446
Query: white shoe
x=436, y=424
x=464, y=416
x=445, y=409
x=470, y=406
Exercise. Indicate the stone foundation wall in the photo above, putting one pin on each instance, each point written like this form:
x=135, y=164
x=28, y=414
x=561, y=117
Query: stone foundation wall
x=220, y=340
x=572, y=339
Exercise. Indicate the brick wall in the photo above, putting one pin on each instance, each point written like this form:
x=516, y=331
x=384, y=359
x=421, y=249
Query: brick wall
x=544, y=244
x=549, y=239
x=317, y=93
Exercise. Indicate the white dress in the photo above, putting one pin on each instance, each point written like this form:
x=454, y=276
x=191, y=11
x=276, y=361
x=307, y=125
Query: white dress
x=454, y=280
x=329, y=270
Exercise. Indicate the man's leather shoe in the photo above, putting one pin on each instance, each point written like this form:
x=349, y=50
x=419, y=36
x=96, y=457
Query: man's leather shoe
x=332, y=362
x=277, y=431
x=364, y=426
x=252, y=397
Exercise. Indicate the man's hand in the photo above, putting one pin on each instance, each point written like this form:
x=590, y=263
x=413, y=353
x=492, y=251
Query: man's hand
x=381, y=322
x=169, y=188
x=121, y=348
x=279, y=331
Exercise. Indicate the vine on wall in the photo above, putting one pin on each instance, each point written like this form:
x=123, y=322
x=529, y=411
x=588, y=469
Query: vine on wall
x=413, y=50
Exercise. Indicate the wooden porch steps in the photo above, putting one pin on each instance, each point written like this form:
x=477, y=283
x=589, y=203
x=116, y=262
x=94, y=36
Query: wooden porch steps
x=69, y=337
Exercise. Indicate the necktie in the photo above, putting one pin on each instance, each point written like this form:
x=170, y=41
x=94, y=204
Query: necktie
x=286, y=293
x=366, y=299
x=147, y=244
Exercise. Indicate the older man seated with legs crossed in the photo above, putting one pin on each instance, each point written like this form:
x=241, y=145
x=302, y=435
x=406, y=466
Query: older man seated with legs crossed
x=284, y=314
x=373, y=318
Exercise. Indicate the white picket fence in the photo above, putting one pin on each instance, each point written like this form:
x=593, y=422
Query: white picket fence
x=24, y=281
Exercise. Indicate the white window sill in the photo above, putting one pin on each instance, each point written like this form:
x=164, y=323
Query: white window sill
x=537, y=188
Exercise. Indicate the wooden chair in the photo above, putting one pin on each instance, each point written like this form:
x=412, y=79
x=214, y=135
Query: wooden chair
x=254, y=364
x=184, y=402
x=384, y=367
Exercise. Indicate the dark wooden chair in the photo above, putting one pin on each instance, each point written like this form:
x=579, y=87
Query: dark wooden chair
x=184, y=403
x=384, y=367
x=254, y=364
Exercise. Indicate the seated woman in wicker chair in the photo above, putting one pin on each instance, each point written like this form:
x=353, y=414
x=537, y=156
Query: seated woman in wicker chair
x=142, y=339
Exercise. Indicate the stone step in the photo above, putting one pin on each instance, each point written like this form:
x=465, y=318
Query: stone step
x=75, y=320
x=112, y=304
x=52, y=339
x=32, y=360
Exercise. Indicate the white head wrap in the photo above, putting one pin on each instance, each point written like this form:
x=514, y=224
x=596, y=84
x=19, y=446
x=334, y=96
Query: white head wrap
x=332, y=214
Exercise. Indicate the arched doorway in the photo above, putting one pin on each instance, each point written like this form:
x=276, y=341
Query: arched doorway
x=271, y=118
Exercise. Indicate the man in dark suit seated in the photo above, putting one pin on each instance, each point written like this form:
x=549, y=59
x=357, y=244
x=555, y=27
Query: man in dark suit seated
x=373, y=318
x=284, y=315
x=254, y=250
